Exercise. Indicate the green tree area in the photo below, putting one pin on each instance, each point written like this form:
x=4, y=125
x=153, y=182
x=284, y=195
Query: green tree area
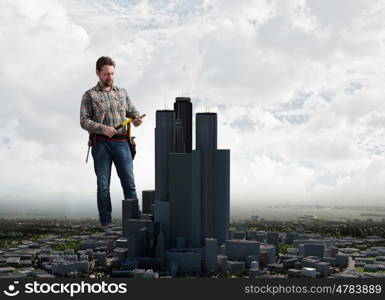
x=13, y=239
x=282, y=248
x=72, y=244
x=9, y=243
x=361, y=270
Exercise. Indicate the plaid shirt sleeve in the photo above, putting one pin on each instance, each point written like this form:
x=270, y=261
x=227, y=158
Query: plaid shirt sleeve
x=86, y=115
x=131, y=110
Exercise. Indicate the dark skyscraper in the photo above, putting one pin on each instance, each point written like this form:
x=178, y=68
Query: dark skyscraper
x=186, y=217
x=215, y=172
x=185, y=198
x=206, y=131
x=183, y=110
x=206, y=141
x=192, y=194
x=222, y=195
x=164, y=144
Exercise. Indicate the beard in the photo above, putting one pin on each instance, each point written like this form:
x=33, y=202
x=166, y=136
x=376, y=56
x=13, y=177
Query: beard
x=106, y=83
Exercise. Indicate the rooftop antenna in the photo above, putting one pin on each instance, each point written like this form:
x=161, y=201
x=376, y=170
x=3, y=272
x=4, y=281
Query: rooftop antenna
x=207, y=108
x=184, y=69
x=165, y=103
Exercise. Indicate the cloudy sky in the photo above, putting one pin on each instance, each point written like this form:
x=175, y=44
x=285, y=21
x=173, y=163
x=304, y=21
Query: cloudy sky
x=298, y=87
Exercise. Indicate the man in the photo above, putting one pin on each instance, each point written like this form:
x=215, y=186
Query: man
x=103, y=108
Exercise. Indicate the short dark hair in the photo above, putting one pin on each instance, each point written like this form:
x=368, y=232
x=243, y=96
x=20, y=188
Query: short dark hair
x=102, y=61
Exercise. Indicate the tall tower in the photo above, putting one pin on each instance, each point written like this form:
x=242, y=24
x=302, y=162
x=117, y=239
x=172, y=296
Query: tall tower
x=185, y=198
x=215, y=176
x=164, y=144
x=183, y=110
x=206, y=142
x=184, y=181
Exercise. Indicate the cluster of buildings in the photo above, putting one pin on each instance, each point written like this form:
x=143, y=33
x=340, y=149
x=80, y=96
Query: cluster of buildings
x=247, y=252
x=251, y=253
x=185, y=219
x=315, y=255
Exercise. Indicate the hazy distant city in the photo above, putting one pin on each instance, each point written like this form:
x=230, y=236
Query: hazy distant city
x=271, y=212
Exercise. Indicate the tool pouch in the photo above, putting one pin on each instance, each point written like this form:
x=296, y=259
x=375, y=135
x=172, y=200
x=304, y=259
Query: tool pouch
x=92, y=140
x=132, y=144
x=131, y=141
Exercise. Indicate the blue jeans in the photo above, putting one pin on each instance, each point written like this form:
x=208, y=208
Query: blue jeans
x=104, y=153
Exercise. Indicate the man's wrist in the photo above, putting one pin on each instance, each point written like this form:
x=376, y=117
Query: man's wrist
x=102, y=129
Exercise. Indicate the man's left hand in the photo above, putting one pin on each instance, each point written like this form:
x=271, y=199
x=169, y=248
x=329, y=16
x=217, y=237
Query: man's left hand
x=138, y=121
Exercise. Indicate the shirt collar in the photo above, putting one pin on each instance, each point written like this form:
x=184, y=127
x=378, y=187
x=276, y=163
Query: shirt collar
x=98, y=87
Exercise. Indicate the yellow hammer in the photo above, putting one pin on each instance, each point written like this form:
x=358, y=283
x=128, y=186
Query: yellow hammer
x=123, y=124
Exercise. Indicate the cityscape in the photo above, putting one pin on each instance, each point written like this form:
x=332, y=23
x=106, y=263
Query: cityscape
x=44, y=248
x=183, y=228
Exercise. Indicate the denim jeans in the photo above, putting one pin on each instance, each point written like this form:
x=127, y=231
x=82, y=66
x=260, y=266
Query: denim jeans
x=104, y=153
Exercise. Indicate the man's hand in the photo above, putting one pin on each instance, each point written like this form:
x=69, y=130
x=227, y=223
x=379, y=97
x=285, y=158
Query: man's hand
x=109, y=131
x=138, y=121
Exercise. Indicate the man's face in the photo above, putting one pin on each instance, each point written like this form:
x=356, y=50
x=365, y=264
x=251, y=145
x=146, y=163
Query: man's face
x=106, y=75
